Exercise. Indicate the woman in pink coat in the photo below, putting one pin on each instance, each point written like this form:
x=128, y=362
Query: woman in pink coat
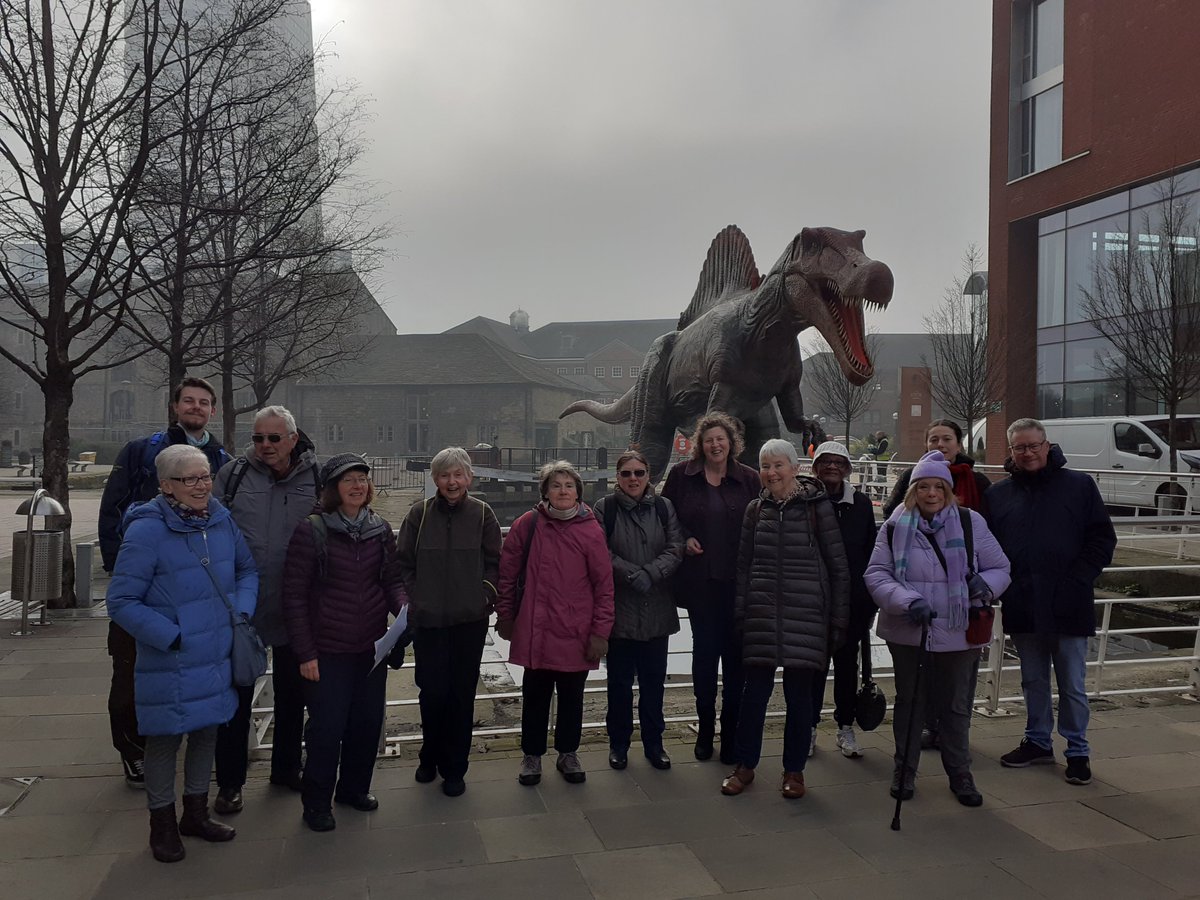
x=555, y=606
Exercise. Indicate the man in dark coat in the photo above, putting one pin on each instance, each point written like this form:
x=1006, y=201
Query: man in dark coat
x=134, y=479
x=1053, y=527
x=856, y=518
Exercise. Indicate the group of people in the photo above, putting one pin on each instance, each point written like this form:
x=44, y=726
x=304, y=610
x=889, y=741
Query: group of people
x=776, y=569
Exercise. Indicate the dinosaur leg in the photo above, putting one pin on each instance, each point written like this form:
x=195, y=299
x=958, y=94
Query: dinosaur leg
x=656, y=445
x=760, y=428
x=791, y=407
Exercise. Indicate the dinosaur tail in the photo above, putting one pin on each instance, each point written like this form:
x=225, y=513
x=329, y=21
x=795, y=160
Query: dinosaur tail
x=612, y=413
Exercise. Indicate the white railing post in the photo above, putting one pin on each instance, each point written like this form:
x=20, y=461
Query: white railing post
x=1196, y=667
x=1102, y=647
x=995, y=668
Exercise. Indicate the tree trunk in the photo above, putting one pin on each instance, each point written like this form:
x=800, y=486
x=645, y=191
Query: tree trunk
x=58, y=392
x=228, y=407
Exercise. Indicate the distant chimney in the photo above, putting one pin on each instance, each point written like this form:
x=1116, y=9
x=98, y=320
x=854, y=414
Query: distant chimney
x=519, y=320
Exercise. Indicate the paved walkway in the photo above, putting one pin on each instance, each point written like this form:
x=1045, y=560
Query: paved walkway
x=73, y=830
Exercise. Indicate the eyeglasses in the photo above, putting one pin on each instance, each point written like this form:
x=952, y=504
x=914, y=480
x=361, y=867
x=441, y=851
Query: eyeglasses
x=273, y=438
x=193, y=480
x=632, y=473
x=1028, y=448
x=834, y=463
x=355, y=482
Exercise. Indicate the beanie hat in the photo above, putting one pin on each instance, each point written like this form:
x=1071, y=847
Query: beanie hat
x=932, y=465
x=336, y=466
x=832, y=448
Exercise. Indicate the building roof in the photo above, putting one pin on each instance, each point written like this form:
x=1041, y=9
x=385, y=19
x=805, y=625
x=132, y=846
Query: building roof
x=504, y=335
x=443, y=359
x=575, y=340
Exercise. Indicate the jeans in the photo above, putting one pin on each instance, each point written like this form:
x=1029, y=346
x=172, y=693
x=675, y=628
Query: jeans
x=447, y=676
x=647, y=661
x=714, y=640
x=948, y=687
x=797, y=729
x=537, y=687
x=122, y=713
x=161, y=750
x=345, y=718
x=287, y=728
x=1069, y=657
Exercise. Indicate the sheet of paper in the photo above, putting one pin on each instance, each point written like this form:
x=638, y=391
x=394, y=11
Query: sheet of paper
x=384, y=645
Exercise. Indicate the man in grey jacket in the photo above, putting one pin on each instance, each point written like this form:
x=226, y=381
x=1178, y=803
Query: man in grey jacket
x=270, y=489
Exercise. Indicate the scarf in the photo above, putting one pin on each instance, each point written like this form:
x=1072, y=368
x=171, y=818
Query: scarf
x=186, y=512
x=965, y=488
x=198, y=442
x=953, y=547
x=562, y=514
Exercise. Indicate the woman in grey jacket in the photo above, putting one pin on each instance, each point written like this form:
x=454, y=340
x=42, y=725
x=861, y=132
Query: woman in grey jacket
x=646, y=544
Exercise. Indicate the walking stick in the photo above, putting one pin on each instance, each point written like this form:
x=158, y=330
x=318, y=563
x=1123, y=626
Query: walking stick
x=912, y=720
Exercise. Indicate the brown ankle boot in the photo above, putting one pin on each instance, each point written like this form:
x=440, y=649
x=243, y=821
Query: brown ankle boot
x=164, y=835
x=195, y=821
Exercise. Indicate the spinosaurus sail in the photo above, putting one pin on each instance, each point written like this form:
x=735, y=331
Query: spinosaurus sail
x=734, y=349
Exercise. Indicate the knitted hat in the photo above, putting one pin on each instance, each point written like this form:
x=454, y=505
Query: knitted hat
x=832, y=448
x=336, y=466
x=932, y=465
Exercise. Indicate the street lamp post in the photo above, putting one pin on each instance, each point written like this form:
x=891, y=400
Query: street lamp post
x=974, y=292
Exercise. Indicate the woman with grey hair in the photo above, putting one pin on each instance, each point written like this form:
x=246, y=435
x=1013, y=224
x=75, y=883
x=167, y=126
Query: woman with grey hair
x=792, y=607
x=556, y=608
x=183, y=563
x=449, y=559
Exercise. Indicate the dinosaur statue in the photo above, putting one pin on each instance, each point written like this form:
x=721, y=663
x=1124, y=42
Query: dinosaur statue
x=735, y=350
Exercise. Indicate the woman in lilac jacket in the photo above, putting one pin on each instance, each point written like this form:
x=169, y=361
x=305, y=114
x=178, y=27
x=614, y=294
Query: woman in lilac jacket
x=920, y=577
x=560, y=623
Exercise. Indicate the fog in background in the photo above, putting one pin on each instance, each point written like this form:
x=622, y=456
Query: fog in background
x=576, y=158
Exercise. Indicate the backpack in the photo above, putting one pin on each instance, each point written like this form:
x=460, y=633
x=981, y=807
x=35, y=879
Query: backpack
x=610, y=514
x=145, y=470
x=239, y=472
x=968, y=538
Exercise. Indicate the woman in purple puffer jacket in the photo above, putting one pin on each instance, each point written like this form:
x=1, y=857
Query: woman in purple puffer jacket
x=339, y=586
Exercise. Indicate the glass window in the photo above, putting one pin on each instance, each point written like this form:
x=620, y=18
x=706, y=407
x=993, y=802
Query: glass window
x=1047, y=128
x=1050, y=363
x=1098, y=209
x=1090, y=359
x=1055, y=222
x=635, y=371
x=1050, y=401
x=580, y=370
x=1052, y=257
x=1087, y=248
x=1048, y=36
x=599, y=371
x=618, y=371
x=561, y=370
x=1152, y=193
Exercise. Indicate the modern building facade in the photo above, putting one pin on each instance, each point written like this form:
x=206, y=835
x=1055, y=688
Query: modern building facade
x=1095, y=115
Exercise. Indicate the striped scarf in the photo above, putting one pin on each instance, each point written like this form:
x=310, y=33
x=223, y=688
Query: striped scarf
x=953, y=547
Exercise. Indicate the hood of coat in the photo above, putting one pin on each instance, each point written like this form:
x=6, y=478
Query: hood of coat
x=807, y=490
x=304, y=452
x=373, y=526
x=158, y=508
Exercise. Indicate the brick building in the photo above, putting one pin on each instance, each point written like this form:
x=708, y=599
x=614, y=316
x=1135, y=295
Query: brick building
x=1094, y=113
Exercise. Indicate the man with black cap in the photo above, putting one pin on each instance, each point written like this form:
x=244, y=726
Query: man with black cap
x=269, y=490
x=856, y=517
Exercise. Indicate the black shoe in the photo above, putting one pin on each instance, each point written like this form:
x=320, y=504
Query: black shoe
x=361, y=802
x=963, y=786
x=228, y=802
x=425, y=773
x=293, y=780
x=905, y=792
x=453, y=787
x=659, y=759
x=704, y=741
x=618, y=759
x=135, y=776
x=1027, y=753
x=319, y=819
x=1079, y=770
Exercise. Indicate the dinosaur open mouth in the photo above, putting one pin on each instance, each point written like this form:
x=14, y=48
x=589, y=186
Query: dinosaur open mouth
x=847, y=315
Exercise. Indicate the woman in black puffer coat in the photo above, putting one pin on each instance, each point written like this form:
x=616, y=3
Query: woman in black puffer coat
x=793, y=607
x=339, y=585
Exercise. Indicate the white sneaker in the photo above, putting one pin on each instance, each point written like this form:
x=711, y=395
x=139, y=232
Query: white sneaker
x=848, y=743
x=812, y=743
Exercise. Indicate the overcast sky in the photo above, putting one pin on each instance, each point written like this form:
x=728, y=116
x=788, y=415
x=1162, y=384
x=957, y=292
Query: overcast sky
x=576, y=158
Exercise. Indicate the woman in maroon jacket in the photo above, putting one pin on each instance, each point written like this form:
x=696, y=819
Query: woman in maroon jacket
x=338, y=589
x=710, y=493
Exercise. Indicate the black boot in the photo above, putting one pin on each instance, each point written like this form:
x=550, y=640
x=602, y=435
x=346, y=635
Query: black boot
x=728, y=736
x=704, y=738
x=195, y=821
x=164, y=835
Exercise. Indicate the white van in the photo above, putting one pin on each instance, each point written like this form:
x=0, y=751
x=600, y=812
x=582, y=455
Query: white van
x=1129, y=457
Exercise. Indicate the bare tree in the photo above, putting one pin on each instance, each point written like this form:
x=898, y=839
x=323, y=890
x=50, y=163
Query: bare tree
x=1145, y=299
x=964, y=368
x=834, y=394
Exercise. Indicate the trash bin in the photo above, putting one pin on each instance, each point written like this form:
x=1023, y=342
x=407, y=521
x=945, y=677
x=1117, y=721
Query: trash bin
x=47, y=566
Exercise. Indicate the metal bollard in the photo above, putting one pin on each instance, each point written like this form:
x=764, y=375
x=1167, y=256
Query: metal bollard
x=83, y=574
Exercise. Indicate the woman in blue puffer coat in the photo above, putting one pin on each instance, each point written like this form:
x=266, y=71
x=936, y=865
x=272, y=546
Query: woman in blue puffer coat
x=183, y=680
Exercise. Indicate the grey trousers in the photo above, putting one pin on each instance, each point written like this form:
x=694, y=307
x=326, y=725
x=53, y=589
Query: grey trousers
x=161, y=751
x=947, y=687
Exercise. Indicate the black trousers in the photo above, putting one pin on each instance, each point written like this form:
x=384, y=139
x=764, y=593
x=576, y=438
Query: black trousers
x=714, y=640
x=345, y=717
x=844, y=663
x=537, y=687
x=122, y=713
x=447, y=674
x=233, y=738
x=647, y=662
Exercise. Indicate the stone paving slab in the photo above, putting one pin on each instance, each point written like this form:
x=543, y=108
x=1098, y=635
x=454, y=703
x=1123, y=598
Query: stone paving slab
x=1160, y=814
x=1083, y=875
x=1070, y=826
x=649, y=873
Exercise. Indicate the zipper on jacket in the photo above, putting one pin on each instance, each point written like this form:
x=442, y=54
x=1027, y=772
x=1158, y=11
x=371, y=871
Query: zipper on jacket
x=779, y=591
